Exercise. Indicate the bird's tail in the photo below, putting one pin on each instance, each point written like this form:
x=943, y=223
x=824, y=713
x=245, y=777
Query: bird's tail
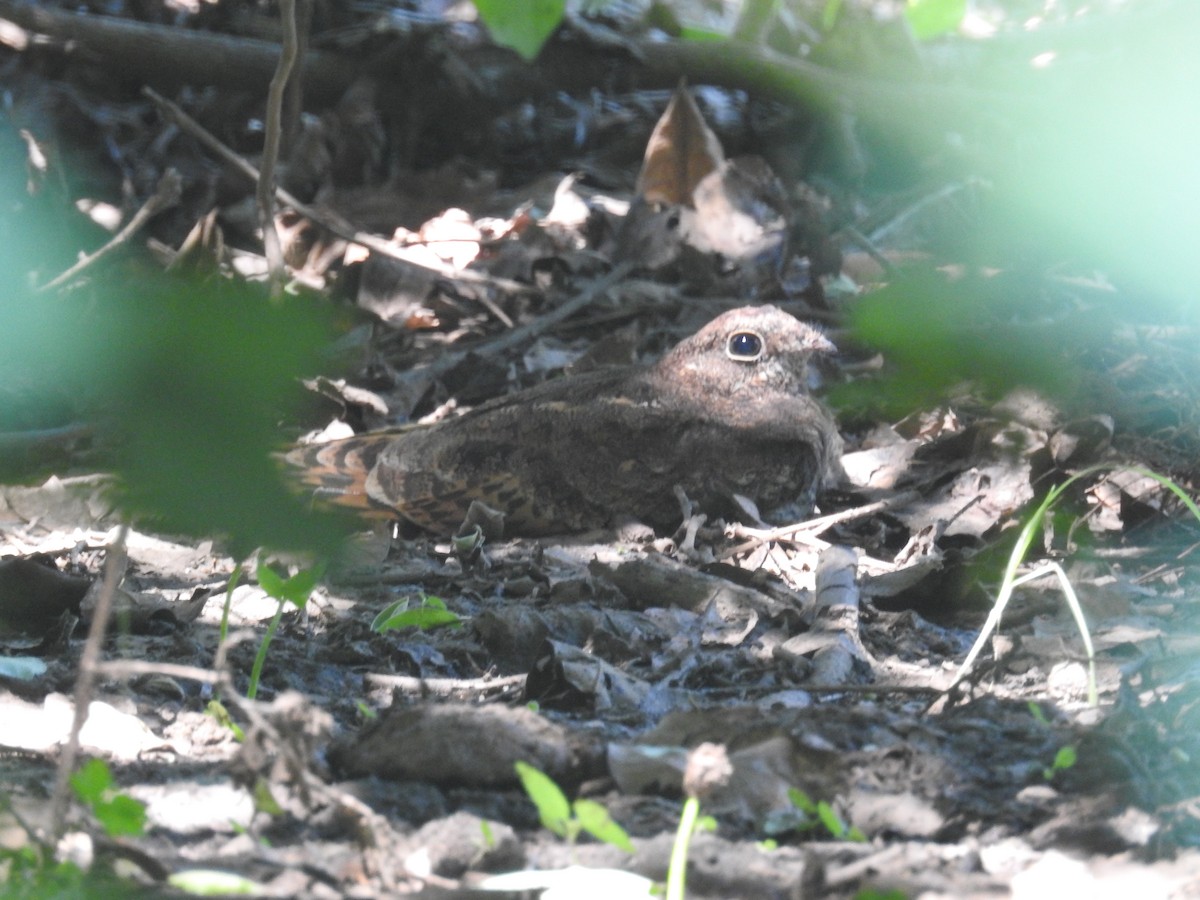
x=335, y=472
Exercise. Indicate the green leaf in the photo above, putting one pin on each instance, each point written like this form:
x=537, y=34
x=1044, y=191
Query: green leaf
x=268, y=579
x=701, y=35
x=521, y=25
x=430, y=614
x=932, y=18
x=424, y=617
x=189, y=382
x=296, y=589
x=217, y=710
x=300, y=586
x=802, y=801
x=831, y=820
x=938, y=333
x=1065, y=758
x=553, y=808
x=92, y=781
x=829, y=15
x=598, y=822
x=123, y=816
x=211, y=883
x=118, y=814
x=264, y=800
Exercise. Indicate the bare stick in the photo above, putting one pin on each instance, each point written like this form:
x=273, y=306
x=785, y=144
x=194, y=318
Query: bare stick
x=128, y=668
x=114, y=571
x=272, y=131
x=806, y=532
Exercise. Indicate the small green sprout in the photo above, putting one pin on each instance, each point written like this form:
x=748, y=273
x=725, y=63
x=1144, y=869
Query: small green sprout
x=294, y=590
x=567, y=819
x=118, y=814
x=1063, y=760
x=430, y=613
x=809, y=815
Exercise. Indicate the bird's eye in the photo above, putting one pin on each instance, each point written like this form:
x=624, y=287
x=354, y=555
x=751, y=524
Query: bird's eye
x=745, y=346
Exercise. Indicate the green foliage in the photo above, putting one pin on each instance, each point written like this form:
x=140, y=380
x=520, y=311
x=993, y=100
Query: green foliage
x=808, y=815
x=118, y=814
x=939, y=334
x=294, y=590
x=30, y=873
x=830, y=13
x=701, y=35
x=1064, y=759
x=186, y=383
x=554, y=809
x=1039, y=714
x=521, y=25
x=218, y=711
x=214, y=883
x=1021, y=549
x=933, y=18
x=431, y=613
x=567, y=819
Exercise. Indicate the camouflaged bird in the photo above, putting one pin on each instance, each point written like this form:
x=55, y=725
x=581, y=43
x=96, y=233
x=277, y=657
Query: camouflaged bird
x=726, y=412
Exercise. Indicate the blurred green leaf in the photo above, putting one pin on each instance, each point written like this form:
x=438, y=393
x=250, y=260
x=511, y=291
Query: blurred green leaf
x=933, y=18
x=521, y=25
x=187, y=385
x=701, y=35
x=92, y=781
x=596, y=820
x=431, y=613
x=830, y=13
x=940, y=333
x=122, y=816
x=118, y=814
x=213, y=883
x=553, y=808
x=296, y=589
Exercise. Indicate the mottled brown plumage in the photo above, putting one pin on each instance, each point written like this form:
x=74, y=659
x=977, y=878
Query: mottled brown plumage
x=725, y=412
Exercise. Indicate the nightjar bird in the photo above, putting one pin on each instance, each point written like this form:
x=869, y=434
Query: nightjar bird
x=726, y=412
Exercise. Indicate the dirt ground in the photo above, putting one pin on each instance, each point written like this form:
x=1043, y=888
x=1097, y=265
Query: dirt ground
x=824, y=658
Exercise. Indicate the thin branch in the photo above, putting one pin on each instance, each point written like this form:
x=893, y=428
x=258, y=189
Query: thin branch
x=166, y=194
x=273, y=130
x=114, y=571
x=324, y=219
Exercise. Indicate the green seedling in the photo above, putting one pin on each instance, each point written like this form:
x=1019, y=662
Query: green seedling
x=294, y=590
x=807, y=815
x=1039, y=715
x=1025, y=539
x=118, y=814
x=568, y=820
x=365, y=711
x=690, y=821
x=431, y=612
x=1063, y=760
x=217, y=710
